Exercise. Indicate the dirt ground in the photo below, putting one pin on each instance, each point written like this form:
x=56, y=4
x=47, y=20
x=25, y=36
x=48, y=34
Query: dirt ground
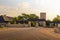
x=28, y=34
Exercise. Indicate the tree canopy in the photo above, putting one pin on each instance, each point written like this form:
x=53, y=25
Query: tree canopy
x=57, y=18
x=27, y=16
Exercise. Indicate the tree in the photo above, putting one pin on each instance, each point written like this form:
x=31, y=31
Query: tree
x=57, y=19
x=20, y=17
x=48, y=22
x=14, y=20
x=33, y=16
x=25, y=16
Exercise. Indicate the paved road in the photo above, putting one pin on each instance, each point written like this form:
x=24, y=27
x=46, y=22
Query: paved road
x=24, y=34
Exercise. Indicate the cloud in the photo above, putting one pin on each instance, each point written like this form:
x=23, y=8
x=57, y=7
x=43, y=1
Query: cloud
x=23, y=7
x=26, y=4
x=10, y=11
x=37, y=1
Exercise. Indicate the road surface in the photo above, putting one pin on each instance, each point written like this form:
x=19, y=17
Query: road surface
x=28, y=34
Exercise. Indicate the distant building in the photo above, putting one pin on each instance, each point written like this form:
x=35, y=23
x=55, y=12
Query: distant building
x=5, y=19
x=43, y=15
x=37, y=21
x=42, y=21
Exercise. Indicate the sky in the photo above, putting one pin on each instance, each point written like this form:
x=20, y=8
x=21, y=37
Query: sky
x=16, y=7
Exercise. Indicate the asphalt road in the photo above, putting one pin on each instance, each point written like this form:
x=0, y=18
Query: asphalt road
x=25, y=34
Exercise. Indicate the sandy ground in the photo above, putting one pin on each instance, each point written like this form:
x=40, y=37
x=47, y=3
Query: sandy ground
x=28, y=34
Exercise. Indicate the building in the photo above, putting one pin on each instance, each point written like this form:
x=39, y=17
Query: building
x=37, y=22
x=5, y=19
x=42, y=21
x=54, y=24
x=43, y=15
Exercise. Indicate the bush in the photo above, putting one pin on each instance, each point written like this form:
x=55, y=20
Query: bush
x=11, y=22
x=33, y=23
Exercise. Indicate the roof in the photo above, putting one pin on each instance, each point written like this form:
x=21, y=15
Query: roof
x=5, y=18
x=36, y=19
x=26, y=20
x=54, y=22
x=1, y=19
x=22, y=21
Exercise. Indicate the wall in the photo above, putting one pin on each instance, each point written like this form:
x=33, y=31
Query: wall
x=17, y=25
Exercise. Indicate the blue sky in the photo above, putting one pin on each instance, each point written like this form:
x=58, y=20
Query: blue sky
x=16, y=7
